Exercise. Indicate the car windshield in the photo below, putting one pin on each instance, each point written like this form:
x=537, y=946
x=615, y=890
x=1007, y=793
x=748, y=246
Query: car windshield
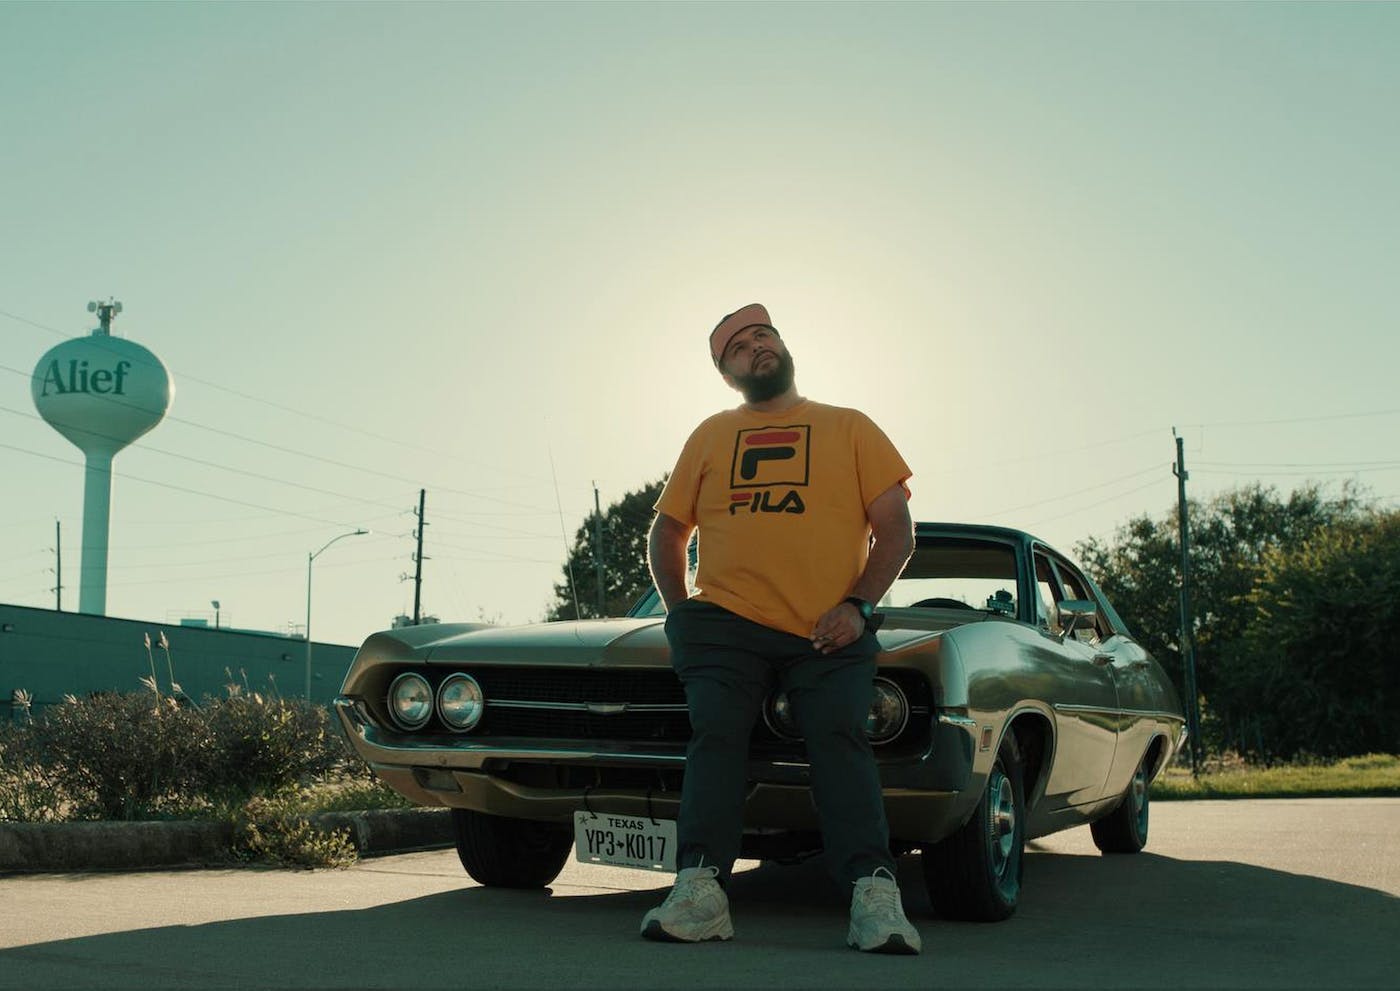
x=957, y=573
x=944, y=573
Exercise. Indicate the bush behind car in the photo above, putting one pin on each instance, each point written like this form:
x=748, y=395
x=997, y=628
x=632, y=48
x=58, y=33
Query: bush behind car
x=141, y=755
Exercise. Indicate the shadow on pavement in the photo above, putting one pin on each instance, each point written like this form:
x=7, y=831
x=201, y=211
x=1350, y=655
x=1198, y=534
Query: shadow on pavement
x=1084, y=921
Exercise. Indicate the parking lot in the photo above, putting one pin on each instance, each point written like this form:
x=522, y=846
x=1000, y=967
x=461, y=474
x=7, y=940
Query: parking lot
x=1296, y=893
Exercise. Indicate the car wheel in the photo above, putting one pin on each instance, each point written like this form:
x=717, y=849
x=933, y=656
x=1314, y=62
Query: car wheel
x=501, y=852
x=1124, y=830
x=975, y=874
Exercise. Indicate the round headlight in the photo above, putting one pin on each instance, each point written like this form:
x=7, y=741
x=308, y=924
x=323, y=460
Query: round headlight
x=889, y=713
x=777, y=713
x=460, y=702
x=411, y=700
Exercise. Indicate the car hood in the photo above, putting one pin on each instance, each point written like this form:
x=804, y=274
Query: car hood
x=597, y=642
x=600, y=641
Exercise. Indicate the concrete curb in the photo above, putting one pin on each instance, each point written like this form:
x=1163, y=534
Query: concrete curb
x=392, y=830
x=82, y=846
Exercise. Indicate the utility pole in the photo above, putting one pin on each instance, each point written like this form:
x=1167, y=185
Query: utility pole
x=418, y=559
x=1188, y=640
x=598, y=549
x=58, y=553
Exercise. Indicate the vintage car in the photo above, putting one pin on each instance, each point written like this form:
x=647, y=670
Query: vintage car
x=1011, y=702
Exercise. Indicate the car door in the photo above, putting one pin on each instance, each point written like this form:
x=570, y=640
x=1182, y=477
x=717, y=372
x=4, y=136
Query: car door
x=1085, y=702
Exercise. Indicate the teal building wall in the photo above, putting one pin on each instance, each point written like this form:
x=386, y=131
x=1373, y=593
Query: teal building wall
x=48, y=654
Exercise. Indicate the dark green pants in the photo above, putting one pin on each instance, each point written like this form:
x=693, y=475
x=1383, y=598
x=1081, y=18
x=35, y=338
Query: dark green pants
x=728, y=666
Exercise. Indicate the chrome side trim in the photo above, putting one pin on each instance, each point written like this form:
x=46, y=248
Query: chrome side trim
x=966, y=722
x=1173, y=716
x=1066, y=707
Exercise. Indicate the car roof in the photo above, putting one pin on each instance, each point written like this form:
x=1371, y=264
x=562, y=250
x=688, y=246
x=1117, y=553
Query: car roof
x=975, y=530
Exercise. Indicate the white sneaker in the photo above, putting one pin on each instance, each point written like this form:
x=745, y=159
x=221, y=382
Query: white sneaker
x=878, y=924
x=696, y=910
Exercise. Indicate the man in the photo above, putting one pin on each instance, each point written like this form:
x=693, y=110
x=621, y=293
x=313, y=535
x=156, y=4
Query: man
x=786, y=494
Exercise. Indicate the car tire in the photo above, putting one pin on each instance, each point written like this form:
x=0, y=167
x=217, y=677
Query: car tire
x=975, y=874
x=502, y=852
x=1124, y=830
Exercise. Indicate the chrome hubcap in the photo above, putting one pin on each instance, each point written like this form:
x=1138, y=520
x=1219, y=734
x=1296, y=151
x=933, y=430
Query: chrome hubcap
x=1140, y=796
x=1001, y=821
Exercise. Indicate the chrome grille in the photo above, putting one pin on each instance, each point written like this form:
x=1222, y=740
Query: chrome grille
x=565, y=685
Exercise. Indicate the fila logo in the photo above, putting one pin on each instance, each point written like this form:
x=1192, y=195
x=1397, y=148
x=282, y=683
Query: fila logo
x=770, y=456
x=762, y=502
x=769, y=461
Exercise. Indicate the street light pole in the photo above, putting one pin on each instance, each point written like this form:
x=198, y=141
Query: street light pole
x=309, y=558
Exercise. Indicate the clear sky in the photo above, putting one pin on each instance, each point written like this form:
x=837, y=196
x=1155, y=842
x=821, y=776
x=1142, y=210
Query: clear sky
x=478, y=248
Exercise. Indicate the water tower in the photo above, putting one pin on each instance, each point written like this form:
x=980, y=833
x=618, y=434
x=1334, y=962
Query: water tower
x=101, y=392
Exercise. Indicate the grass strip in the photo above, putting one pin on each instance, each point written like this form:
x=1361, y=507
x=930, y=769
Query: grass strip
x=1367, y=776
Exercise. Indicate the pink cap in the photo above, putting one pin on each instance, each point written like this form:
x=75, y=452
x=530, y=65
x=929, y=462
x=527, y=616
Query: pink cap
x=753, y=315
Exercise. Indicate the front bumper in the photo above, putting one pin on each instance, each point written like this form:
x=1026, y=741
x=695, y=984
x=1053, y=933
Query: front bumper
x=926, y=797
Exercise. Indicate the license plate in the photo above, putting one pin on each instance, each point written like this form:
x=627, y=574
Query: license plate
x=625, y=841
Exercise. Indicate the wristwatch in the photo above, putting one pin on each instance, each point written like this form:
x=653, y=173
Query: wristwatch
x=867, y=613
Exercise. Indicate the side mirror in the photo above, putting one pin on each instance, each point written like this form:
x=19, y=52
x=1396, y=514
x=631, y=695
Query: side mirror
x=1077, y=612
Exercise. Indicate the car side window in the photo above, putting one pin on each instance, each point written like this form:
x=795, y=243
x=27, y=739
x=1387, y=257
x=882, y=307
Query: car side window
x=1047, y=612
x=1076, y=588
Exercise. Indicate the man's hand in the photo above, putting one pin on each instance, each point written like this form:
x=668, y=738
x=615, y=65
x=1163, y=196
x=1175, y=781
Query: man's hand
x=840, y=626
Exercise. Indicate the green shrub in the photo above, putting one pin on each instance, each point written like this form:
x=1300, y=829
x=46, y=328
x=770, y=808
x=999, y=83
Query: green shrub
x=350, y=794
x=30, y=790
x=112, y=756
x=141, y=756
x=273, y=830
x=261, y=746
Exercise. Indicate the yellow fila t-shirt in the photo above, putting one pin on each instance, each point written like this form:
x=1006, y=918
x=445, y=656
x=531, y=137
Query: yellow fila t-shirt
x=780, y=500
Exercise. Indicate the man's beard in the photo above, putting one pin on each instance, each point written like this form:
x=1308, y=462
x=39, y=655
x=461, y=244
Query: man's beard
x=769, y=383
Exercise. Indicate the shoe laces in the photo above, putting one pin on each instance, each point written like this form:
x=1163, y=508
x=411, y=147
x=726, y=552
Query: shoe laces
x=691, y=882
x=881, y=898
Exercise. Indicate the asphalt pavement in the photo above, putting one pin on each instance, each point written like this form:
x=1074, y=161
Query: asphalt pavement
x=1249, y=894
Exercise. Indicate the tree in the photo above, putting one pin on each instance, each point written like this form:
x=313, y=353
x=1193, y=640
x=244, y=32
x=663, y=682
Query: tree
x=1317, y=672
x=625, y=573
x=1231, y=537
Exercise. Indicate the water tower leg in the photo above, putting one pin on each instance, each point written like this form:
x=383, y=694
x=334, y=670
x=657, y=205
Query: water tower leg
x=97, y=514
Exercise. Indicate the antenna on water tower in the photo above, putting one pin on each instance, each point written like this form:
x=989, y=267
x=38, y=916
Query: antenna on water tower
x=101, y=392
x=105, y=312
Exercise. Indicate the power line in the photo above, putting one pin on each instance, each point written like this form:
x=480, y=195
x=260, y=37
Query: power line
x=200, y=564
x=1296, y=419
x=299, y=570
x=1095, y=505
x=181, y=488
x=214, y=464
x=25, y=576
x=493, y=536
x=493, y=560
x=495, y=526
x=1059, y=453
x=498, y=555
x=304, y=455
x=1351, y=465
x=1292, y=474
x=243, y=539
x=395, y=441
x=1068, y=495
x=243, y=395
